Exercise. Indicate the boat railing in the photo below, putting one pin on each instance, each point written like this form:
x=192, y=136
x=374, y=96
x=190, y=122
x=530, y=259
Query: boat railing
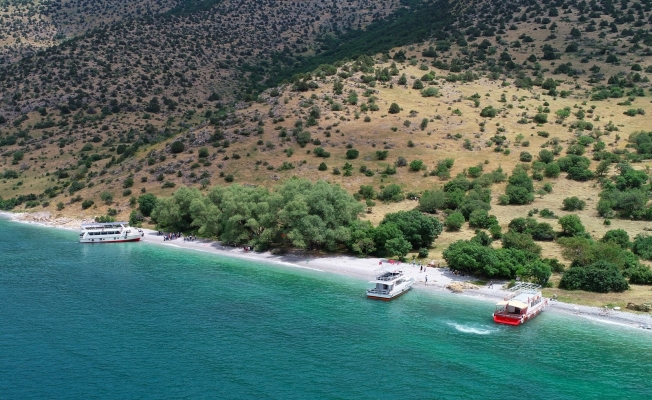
x=389, y=276
x=378, y=291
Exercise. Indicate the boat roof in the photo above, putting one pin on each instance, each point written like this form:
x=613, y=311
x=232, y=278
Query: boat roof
x=383, y=276
x=385, y=282
x=525, y=287
x=104, y=224
x=513, y=303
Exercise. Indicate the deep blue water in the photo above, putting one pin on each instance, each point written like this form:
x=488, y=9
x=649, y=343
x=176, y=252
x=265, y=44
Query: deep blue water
x=137, y=320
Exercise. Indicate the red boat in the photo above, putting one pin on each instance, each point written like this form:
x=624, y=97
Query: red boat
x=524, y=304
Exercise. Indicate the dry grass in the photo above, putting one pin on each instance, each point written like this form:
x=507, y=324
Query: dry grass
x=437, y=142
x=637, y=294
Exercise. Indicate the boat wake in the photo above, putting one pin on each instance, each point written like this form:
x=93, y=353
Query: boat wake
x=469, y=329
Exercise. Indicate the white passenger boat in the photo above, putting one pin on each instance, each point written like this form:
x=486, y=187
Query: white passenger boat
x=389, y=285
x=525, y=303
x=109, y=232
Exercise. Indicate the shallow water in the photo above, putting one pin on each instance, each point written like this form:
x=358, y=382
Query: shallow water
x=136, y=320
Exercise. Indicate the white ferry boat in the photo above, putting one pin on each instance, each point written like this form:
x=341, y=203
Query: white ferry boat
x=389, y=285
x=525, y=303
x=109, y=232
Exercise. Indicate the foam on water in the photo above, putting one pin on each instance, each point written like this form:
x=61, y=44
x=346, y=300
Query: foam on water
x=471, y=329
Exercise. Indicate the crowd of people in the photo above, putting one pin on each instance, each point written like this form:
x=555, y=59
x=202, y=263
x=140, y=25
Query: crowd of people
x=177, y=235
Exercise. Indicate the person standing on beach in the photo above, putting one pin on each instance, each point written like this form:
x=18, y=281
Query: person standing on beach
x=426, y=279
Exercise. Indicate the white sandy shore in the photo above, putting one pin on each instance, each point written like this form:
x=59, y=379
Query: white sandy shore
x=361, y=268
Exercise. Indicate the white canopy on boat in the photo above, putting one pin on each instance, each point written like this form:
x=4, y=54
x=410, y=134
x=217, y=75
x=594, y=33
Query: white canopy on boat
x=384, y=282
x=513, y=303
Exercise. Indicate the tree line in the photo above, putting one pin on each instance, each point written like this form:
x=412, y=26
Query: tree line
x=296, y=214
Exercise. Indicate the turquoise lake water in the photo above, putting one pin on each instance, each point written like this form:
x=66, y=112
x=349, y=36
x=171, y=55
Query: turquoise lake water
x=136, y=320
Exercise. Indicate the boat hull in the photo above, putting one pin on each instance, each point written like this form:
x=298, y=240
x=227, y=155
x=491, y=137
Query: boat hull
x=387, y=297
x=501, y=319
x=91, y=241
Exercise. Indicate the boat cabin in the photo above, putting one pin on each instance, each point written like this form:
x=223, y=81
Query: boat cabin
x=386, y=282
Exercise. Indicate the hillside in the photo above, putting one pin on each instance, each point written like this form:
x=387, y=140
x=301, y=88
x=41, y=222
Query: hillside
x=489, y=88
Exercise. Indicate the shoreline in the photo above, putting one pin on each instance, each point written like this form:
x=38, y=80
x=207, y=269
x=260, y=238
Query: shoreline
x=361, y=268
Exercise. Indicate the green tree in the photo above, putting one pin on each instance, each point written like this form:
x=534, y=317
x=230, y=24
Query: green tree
x=147, y=203
x=394, y=108
x=573, y=203
x=177, y=147
x=617, y=236
x=642, y=246
x=432, y=200
x=520, y=241
x=391, y=192
x=601, y=277
x=454, y=221
x=398, y=246
x=571, y=225
x=418, y=229
x=537, y=270
x=367, y=192
x=361, y=241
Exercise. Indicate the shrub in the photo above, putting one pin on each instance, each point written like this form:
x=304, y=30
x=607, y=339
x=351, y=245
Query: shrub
x=431, y=201
x=573, y=204
x=520, y=241
x=641, y=275
x=546, y=156
x=336, y=107
x=352, y=154
x=367, y=192
x=303, y=138
x=430, y=92
x=10, y=174
x=488, y=112
x=474, y=172
x=320, y=152
x=129, y=182
x=177, y=147
x=551, y=170
x=416, y=165
x=203, y=153
x=106, y=197
x=391, y=192
x=323, y=167
x=87, y=204
x=381, y=154
x=394, y=108
x=601, y=277
x=617, y=236
x=541, y=118
x=642, y=246
x=454, y=221
x=401, y=161
x=571, y=225
x=480, y=218
x=525, y=156
x=423, y=252
x=126, y=192
x=518, y=195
